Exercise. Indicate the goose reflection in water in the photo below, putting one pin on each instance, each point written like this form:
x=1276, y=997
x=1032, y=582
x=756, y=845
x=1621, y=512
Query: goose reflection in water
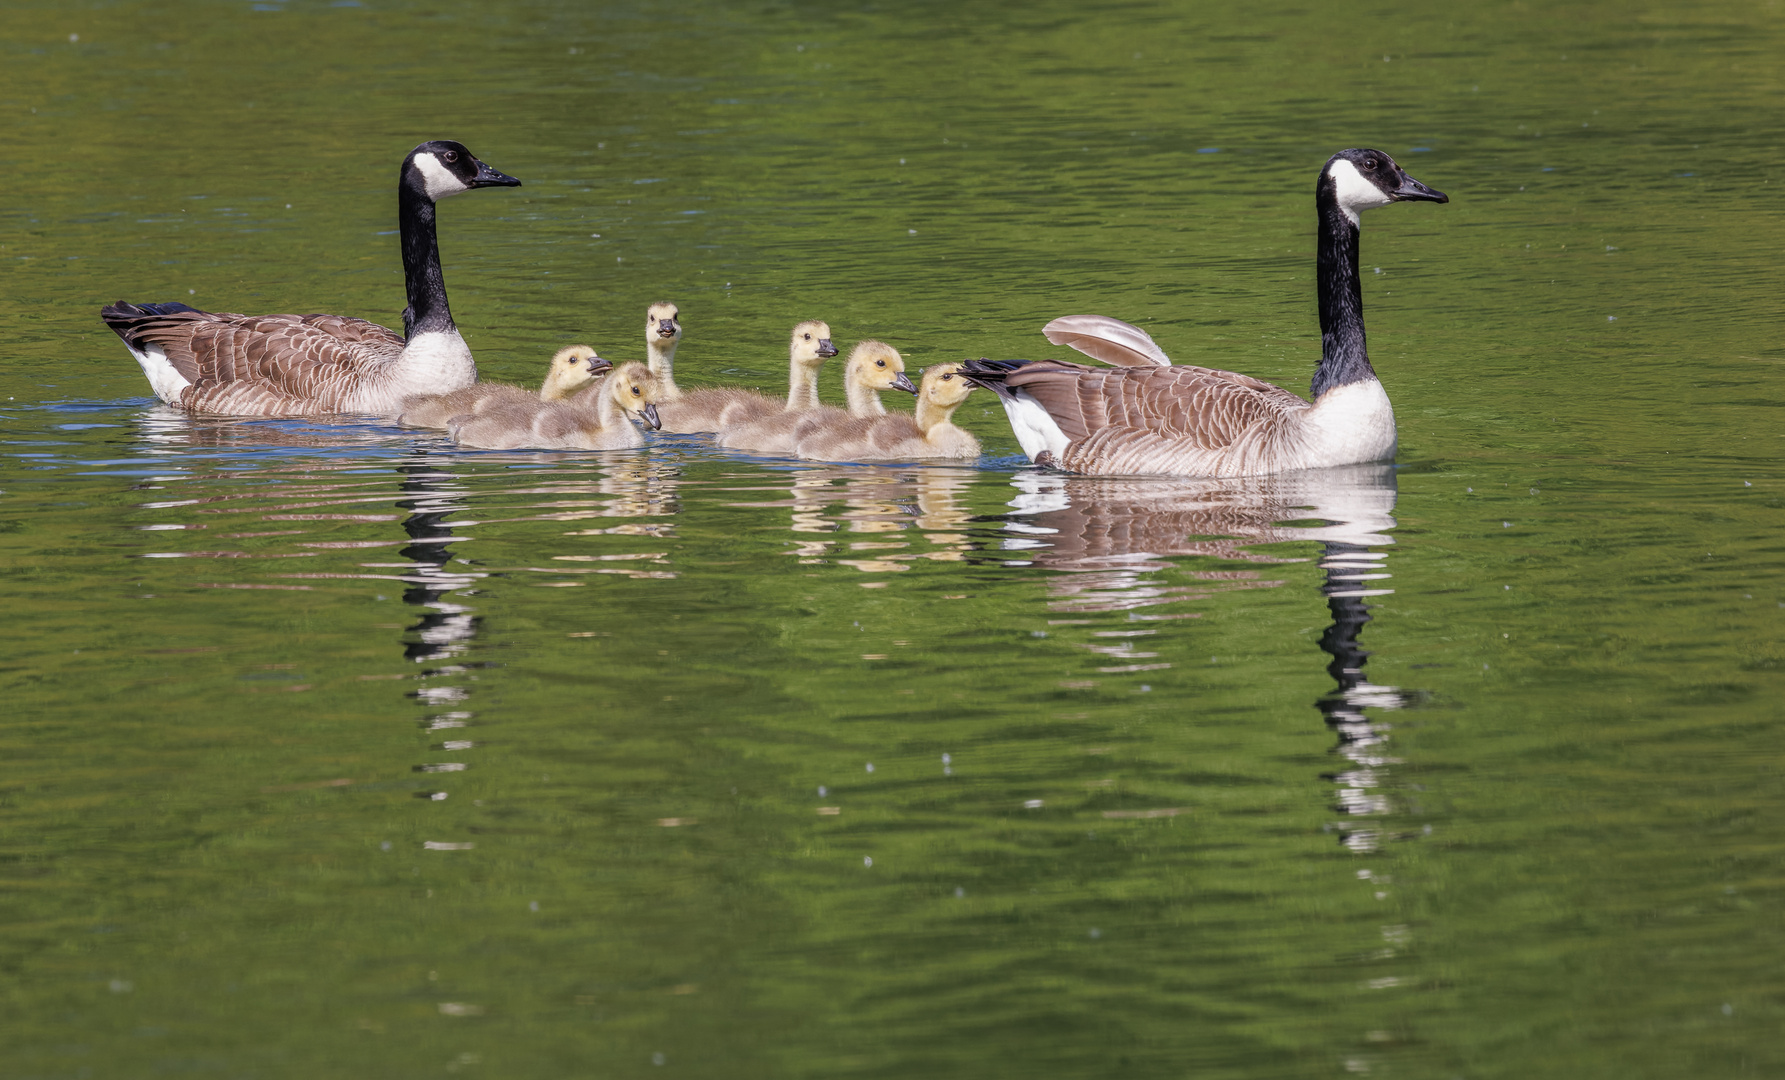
x=446, y=627
x=1106, y=537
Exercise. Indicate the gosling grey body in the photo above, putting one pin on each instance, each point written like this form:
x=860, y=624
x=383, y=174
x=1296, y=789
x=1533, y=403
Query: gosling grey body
x=571, y=367
x=718, y=408
x=598, y=417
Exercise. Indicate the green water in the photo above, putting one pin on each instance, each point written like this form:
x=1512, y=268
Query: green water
x=328, y=750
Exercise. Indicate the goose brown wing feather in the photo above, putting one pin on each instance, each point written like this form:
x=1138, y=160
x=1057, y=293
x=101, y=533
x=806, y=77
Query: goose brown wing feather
x=264, y=363
x=1208, y=408
x=1109, y=340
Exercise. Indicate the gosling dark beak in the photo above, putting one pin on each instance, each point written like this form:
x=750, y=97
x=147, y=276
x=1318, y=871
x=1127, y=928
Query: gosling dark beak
x=1412, y=190
x=651, y=420
x=488, y=177
x=902, y=383
x=598, y=365
x=667, y=329
x=825, y=349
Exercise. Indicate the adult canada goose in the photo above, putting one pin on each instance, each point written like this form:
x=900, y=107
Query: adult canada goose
x=571, y=367
x=718, y=408
x=1148, y=417
x=873, y=366
x=663, y=332
x=596, y=418
x=900, y=436
x=306, y=365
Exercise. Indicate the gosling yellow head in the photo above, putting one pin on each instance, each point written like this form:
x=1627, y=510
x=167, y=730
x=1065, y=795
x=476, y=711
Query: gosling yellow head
x=636, y=391
x=943, y=386
x=877, y=366
x=811, y=344
x=571, y=367
x=663, y=322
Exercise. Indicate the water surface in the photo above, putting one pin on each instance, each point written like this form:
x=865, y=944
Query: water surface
x=331, y=749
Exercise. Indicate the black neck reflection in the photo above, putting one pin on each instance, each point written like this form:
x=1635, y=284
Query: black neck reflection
x=1361, y=788
x=446, y=628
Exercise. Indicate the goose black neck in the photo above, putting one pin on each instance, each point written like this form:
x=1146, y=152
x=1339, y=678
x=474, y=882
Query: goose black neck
x=1343, y=357
x=427, y=311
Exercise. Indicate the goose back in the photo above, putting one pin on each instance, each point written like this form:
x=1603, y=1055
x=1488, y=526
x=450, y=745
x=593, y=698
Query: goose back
x=276, y=365
x=1151, y=420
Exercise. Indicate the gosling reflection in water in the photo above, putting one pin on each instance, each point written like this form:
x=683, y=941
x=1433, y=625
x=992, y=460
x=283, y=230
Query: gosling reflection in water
x=868, y=514
x=1107, y=536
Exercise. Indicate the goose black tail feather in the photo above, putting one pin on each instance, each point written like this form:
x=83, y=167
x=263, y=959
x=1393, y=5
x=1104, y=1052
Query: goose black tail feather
x=123, y=317
x=991, y=374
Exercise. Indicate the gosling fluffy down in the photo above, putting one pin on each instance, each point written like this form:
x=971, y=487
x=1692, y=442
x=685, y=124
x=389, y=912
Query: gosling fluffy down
x=718, y=408
x=598, y=417
x=897, y=436
x=873, y=366
x=571, y=367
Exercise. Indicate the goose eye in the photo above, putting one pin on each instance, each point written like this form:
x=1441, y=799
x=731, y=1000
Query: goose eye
x=1372, y=164
x=451, y=156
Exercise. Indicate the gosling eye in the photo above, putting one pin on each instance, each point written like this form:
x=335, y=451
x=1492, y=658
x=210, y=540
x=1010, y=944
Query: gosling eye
x=880, y=363
x=635, y=391
x=808, y=337
x=947, y=378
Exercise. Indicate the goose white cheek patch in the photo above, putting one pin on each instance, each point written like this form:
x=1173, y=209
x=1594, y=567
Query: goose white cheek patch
x=438, y=180
x=1353, y=191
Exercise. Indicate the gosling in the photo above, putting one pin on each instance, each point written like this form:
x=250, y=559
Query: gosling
x=597, y=418
x=897, y=436
x=572, y=367
x=722, y=407
x=663, y=332
x=873, y=366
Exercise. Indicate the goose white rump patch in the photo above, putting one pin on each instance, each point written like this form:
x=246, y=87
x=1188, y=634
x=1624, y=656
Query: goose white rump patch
x=163, y=378
x=1035, y=430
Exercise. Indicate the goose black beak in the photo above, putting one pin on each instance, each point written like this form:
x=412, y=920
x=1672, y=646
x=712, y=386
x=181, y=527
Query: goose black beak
x=902, y=383
x=825, y=349
x=488, y=177
x=651, y=420
x=1412, y=190
x=598, y=365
